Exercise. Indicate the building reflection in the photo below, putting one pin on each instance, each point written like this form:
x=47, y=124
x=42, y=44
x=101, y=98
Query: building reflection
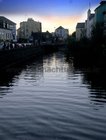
x=93, y=76
x=96, y=78
x=9, y=77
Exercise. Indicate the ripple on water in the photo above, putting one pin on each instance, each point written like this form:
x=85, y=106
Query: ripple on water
x=51, y=106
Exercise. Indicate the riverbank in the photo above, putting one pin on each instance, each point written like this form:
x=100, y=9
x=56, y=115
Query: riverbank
x=18, y=56
x=88, y=52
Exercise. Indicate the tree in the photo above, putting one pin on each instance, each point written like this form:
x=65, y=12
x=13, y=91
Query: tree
x=74, y=35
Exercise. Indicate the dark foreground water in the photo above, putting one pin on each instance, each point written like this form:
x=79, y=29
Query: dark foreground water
x=53, y=99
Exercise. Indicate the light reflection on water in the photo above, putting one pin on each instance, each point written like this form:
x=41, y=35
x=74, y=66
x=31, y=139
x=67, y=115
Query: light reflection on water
x=48, y=105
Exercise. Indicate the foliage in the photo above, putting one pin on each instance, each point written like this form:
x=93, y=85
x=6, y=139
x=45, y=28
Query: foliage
x=22, y=40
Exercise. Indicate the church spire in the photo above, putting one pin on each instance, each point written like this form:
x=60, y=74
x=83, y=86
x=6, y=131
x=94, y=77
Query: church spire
x=89, y=13
x=89, y=5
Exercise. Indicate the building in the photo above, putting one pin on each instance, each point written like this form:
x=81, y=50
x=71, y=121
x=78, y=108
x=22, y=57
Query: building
x=46, y=37
x=99, y=12
x=80, y=31
x=104, y=23
x=42, y=38
x=85, y=29
x=62, y=33
x=100, y=15
x=27, y=27
x=89, y=24
x=7, y=29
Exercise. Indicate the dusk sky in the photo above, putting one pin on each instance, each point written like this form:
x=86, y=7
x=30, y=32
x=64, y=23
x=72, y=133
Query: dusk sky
x=52, y=13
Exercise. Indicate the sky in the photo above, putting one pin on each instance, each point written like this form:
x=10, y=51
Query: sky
x=51, y=13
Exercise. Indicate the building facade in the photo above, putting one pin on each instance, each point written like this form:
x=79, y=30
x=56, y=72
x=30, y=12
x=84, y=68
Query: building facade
x=89, y=24
x=80, y=31
x=62, y=33
x=99, y=12
x=100, y=15
x=7, y=29
x=42, y=38
x=104, y=23
x=27, y=27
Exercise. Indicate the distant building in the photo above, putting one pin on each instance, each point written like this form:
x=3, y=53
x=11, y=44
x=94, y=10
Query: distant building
x=27, y=27
x=7, y=29
x=42, y=38
x=46, y=37
x=99, y=17
x=89, y=24
x=80, y=31
x=62, y=33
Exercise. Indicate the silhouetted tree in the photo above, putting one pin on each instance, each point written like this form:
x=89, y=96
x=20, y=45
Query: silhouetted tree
x=74, y=35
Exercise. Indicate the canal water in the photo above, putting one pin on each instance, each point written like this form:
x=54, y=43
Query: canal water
x=53, y=98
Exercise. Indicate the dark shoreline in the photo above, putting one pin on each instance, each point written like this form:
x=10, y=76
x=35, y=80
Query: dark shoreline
x=88, y=53
x=20, y=56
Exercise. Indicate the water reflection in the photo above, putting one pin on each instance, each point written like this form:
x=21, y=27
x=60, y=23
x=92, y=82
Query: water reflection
x=7, y=80
x=61, y=105
x=93, y=77
x=10, y=77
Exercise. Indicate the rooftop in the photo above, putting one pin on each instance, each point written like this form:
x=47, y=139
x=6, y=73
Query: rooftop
x=101, y=3
x=80, y=25
x=59, y=28
x=7, y=20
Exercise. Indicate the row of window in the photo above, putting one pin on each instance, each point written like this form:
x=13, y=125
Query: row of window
x=5, y=36
x=6, y=25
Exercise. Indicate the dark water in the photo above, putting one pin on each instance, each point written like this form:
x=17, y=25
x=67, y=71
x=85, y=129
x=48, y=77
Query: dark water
x=54, y=98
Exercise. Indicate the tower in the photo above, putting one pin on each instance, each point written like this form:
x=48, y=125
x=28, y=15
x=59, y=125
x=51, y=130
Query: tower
x=89, y=13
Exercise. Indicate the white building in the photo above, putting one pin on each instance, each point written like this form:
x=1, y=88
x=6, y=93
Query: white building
x=62, y=33
x=85, y=29
x=80, y=31
x=27, y=27
x=99, y=17
x=7, y=29
x=90, y=22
